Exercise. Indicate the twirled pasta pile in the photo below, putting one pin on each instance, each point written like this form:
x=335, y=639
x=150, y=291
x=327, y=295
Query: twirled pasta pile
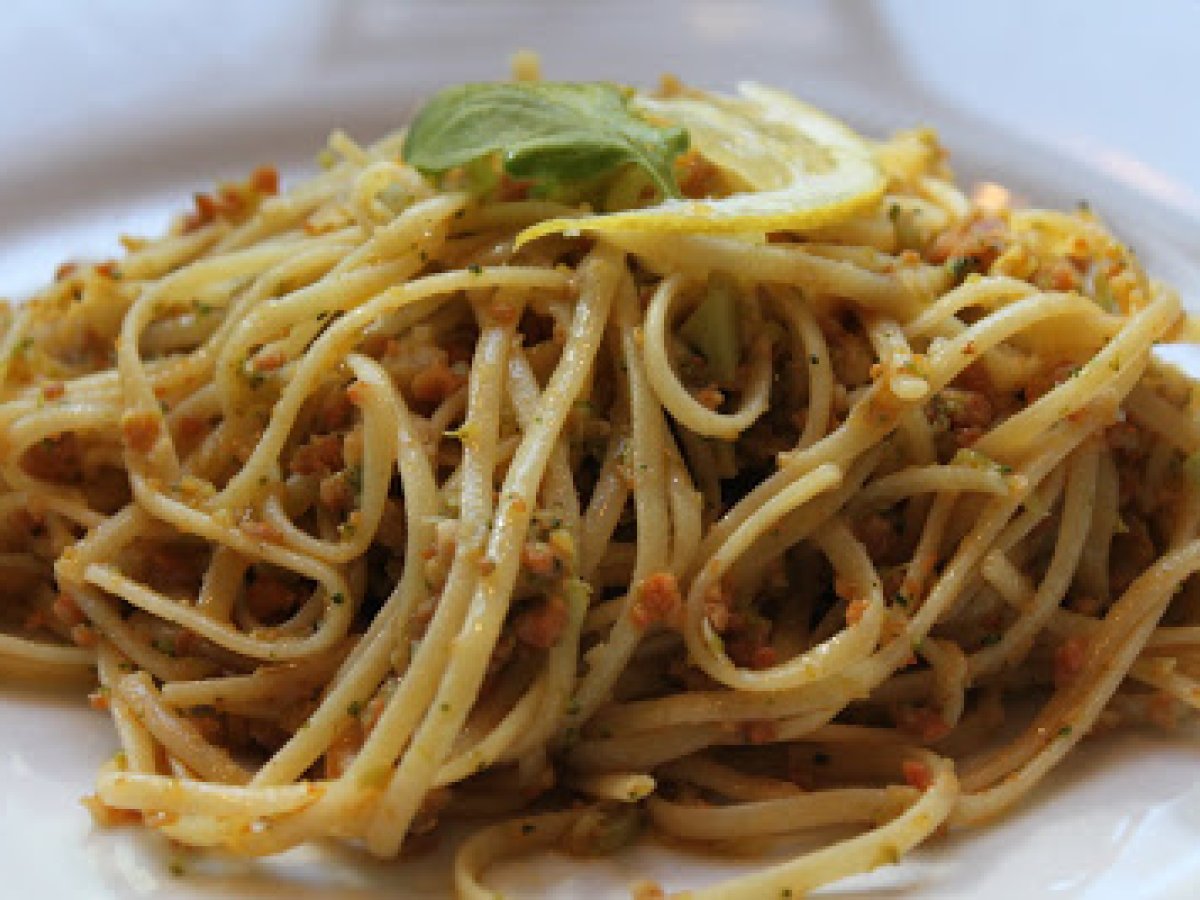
x=368, y=519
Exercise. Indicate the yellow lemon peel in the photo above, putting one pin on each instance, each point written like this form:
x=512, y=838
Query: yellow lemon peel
x=800, y=168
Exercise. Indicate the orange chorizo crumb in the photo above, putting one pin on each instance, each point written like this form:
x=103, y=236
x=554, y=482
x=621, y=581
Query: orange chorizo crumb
x=56, y=458
x=335, y=412
x=968, y=411
x=1069, y=658
x=503, y=313
x=335, y=492
x=878, y=536
x=140, y=430
x=1087, y=606
x=205, y=722
x=697, y=177
x=270, y=598
x=85, y=636
x=1062, y=276
x=710, y=397
x=67, y=611
x=343, y=750
x=232, y=200
x=763, y=656
x=854, y=612
x=544, y=624
x=265, y=180
x=1041, y=383
x=357, y=393
x=205, y=213
x=270, y=361
x=760, y=732
x=53, y=391
x=174, y=566
x=658, y=600
x=186, y=643
x=106, y=816
x=917, y=774
x=262, y=531
x=846, y=588
x=436, y=382
x=538, y=558
x=192, y=428
x=925, y=724
x=320, y=456
x=979, y=238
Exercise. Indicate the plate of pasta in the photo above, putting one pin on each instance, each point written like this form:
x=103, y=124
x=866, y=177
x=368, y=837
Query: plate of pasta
x=595, y=488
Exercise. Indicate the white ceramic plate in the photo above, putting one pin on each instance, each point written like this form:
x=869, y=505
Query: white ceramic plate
x=116, y=111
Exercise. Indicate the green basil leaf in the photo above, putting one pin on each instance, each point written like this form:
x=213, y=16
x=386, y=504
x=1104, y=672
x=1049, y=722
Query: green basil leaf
x=550, y=132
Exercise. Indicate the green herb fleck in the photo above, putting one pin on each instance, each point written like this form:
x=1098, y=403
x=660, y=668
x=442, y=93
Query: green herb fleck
x=713, y=332
x=962, y=266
